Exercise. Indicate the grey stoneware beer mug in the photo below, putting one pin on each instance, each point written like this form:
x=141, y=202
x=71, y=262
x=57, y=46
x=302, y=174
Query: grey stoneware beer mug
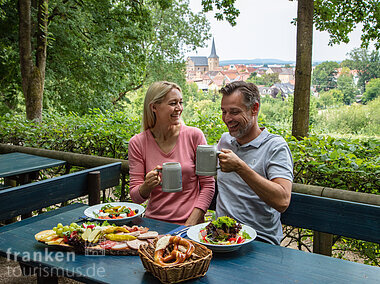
x=206, y=160
x=171, y=177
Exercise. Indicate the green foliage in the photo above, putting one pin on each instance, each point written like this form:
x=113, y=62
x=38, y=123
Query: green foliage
x=319, y=160
x=267, y=80
x=324, y=76
x=177, y=30
x=99, y=51
x=330, y=98
x=372, y=90
x=339, y=18
x=199, y=104
x=346, y=85
x=225, y=9
x=97, y=133
x=276, y=112
x=367, y=63
x=351, y=164
x=370, y=252
x=355, y=119
x=10, y=80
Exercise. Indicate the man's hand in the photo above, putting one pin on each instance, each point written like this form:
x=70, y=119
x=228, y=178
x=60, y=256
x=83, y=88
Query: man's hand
x=276, y=193
x=229, y=161
x=196, y=217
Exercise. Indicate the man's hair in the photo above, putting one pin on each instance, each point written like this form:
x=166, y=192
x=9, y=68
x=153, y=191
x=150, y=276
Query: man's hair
x=155, y=95
x=249, y=91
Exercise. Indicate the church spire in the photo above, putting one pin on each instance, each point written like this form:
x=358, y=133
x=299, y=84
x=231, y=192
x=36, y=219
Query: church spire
x=213, y=50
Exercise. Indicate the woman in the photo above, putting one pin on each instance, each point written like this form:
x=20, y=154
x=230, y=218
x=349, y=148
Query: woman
x=167, y=139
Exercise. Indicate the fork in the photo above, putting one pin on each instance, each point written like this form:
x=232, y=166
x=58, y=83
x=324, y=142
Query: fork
x=181, y=232
x=82, y=218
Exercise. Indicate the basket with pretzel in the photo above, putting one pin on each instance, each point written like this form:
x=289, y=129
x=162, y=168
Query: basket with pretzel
x=173, y=259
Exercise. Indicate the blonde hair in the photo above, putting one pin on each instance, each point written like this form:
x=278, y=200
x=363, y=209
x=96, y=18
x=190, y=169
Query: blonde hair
x=155, y=95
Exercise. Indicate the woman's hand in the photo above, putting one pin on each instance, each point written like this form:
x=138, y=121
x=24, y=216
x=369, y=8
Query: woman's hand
x=152, y=179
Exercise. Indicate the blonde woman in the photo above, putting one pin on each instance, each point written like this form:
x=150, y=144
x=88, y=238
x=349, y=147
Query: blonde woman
x=165, y=138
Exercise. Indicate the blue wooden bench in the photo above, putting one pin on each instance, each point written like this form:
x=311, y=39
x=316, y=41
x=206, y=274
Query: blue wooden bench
x=25, y=198
x=338, y=217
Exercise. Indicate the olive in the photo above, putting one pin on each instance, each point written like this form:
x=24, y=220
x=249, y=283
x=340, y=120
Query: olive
x=136, y=211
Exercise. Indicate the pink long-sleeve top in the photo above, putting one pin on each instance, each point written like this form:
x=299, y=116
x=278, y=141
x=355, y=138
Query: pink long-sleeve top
x=144, y=155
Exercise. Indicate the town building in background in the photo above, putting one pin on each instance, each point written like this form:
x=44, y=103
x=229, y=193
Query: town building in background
x=209, y=75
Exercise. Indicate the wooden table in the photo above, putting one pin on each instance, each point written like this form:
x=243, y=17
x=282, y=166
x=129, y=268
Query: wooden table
x=256, y=262
x=24, y=167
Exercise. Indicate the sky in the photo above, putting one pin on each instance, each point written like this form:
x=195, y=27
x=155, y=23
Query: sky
x=264, y=31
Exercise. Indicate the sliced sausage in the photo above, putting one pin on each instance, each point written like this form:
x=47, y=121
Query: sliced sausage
x=148, y=235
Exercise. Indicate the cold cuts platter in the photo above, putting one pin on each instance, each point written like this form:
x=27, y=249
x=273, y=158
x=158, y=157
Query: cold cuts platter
x=97, y=238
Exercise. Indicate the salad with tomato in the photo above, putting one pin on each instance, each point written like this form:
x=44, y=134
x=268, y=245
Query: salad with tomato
x=223, y=231
x=109, y=211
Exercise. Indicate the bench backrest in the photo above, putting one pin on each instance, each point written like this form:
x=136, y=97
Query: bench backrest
x=338, y=217
x=28, y=197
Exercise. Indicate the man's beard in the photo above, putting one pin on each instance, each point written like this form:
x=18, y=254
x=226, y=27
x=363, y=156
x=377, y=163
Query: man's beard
x=241, y=132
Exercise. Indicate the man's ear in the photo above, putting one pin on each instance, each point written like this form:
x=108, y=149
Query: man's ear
x=255, y=109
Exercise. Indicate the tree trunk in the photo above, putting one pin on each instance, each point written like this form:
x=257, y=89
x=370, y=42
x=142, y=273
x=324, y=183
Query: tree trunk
x=301, y=103
x=25, y=25
x=33, y=76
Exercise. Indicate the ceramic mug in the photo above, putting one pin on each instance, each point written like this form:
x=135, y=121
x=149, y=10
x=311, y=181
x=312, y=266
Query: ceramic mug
x=206, y=160
x=171, y=177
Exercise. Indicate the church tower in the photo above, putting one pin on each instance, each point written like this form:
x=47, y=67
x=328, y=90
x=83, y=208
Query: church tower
x=213, y=59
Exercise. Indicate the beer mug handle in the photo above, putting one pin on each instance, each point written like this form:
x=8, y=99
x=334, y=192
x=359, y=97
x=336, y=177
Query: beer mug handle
x=217, y=153
x=160, y=171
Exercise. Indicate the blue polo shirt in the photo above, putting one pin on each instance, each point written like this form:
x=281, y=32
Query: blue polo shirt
x=269, y=156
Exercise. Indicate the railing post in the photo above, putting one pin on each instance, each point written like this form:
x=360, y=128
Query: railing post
x=93, y=185
x=322, y=243
x=123, y=195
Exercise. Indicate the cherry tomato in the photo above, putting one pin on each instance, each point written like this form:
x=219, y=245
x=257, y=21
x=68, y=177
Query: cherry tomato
x=232, y=240
x=240, y=240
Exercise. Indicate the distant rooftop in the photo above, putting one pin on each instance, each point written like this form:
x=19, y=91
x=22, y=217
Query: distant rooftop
x=199, y=60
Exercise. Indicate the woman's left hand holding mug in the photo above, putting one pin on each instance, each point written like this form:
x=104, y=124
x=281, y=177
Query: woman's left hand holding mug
x=152, y=179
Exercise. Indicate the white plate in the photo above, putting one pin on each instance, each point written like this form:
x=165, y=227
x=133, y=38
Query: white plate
x=193, y=234
x=89, y=212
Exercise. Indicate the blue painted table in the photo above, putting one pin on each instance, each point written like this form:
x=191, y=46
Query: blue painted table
x=14, y=164
x=256, y=262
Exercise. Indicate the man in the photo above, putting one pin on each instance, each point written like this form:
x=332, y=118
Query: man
x=256, y=167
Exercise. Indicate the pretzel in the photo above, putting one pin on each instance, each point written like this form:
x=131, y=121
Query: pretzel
x=175, y=255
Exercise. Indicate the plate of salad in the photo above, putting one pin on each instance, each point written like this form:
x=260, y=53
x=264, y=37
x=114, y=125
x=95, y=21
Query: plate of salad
x=114, y=212
x=222, y=235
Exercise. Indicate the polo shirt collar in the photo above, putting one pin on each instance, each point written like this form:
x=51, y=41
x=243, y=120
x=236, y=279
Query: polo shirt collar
x=256, y=143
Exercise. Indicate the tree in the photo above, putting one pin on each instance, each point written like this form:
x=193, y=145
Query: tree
x=225, y=9
x=173, y=36
x=366, y=63
x=338, y=18
x=99, y=51
x=372, y=91
x=301, y=103
x=10, y=77
x=33, y=73
x=324, y=76
x=325, y=99
x=346, y=85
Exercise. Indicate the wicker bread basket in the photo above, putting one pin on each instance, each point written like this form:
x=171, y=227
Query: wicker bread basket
x=191, y=268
